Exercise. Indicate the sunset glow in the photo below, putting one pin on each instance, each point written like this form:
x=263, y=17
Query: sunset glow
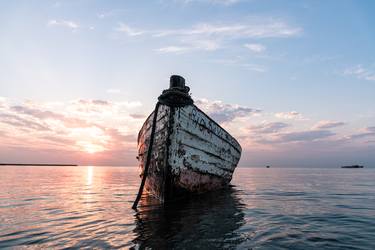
x=90, y=147
x=82, y=85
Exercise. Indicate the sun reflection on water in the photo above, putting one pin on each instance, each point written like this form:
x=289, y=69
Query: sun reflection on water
x=90, y=171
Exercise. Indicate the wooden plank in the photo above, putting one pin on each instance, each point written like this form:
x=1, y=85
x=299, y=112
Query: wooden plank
x=200, y=144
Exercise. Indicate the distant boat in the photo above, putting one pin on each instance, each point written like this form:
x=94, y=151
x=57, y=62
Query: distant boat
x=352, y=166
x=267, y=166
x=191, y=153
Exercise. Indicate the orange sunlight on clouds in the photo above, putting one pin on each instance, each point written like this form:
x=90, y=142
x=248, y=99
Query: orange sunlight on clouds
x=105, y=132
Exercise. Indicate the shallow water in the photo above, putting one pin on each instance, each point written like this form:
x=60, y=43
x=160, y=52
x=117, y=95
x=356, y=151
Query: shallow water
x=89, y=207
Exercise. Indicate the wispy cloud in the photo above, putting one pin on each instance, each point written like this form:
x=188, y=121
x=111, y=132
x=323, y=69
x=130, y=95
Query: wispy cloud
x=212, y=36
x=328, y=124
x=304, y=136
x=238, y=62
x=289, y=115
x=63, y=23
x=188, y=46
x=366, y=132
x=122, y=27
x=255, y=47
x=222, y=112
x=268, y=128
x=255, y=29
x=296, y=137
x=25, y=124
x=138, y=116
x=108, y=129
x=361, y=72
x=173, y=49
x=85, y=126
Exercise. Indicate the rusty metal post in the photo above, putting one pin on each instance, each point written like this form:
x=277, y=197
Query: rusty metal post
x=176, y=81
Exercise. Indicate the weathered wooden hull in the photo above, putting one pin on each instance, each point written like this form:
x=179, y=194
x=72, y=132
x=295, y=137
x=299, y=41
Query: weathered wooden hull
x=191, y=153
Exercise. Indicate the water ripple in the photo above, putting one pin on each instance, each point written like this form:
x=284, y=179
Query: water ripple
x=89, y=207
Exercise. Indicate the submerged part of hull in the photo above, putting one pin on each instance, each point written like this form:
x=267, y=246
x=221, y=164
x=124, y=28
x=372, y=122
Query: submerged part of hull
x=197, y=182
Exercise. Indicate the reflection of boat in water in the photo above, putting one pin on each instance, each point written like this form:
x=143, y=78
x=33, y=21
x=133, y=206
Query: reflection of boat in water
x=181, y=150
x=207, y=221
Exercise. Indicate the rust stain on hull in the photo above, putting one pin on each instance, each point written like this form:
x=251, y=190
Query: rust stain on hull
x=199, y=182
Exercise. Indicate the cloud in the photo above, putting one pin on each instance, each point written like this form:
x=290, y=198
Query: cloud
x=213, y=36
x=2, y=101
x=50, y=115
x=239, y=63
x=289, y=115
x=298, y=136
x=328, y=124
x=361, y=72
x=36, y=112
x=205, y=44
x=19, y=122
x=208, y=45
x=96, y=131
x=94, y=102
x=267, y=128
x=255, y=47
x=254, y=67
x=367, y=132
x=124, y=28
x=305, y=135
x=256, y=29
x=87, y=106
x=63, y=23
x=173, y=49
x=138, y=116
x=222, y=112
x=84, y=126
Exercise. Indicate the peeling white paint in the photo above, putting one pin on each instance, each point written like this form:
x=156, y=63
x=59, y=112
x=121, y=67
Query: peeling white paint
x=199, y=154
x=202, y=145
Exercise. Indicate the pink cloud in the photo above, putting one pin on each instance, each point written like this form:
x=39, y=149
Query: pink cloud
x=104, y=132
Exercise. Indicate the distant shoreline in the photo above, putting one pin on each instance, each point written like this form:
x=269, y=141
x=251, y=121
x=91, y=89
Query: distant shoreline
x=36, y=164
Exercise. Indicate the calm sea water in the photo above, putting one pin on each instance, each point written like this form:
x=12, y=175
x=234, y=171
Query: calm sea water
x=89, y=207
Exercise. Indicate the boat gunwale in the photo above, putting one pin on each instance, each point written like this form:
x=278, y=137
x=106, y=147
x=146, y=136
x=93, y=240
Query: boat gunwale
x=237, y=147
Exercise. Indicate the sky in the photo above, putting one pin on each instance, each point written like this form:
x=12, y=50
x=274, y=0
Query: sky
x=293, y=81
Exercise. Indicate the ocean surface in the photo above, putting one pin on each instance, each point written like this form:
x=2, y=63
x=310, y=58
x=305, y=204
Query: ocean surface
x=276, y=208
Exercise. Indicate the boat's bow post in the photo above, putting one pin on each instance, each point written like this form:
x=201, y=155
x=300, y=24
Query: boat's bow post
x=178, y=93
x=175, y=97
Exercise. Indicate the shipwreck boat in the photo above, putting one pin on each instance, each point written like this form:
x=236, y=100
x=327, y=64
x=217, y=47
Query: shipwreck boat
x=181, y=150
